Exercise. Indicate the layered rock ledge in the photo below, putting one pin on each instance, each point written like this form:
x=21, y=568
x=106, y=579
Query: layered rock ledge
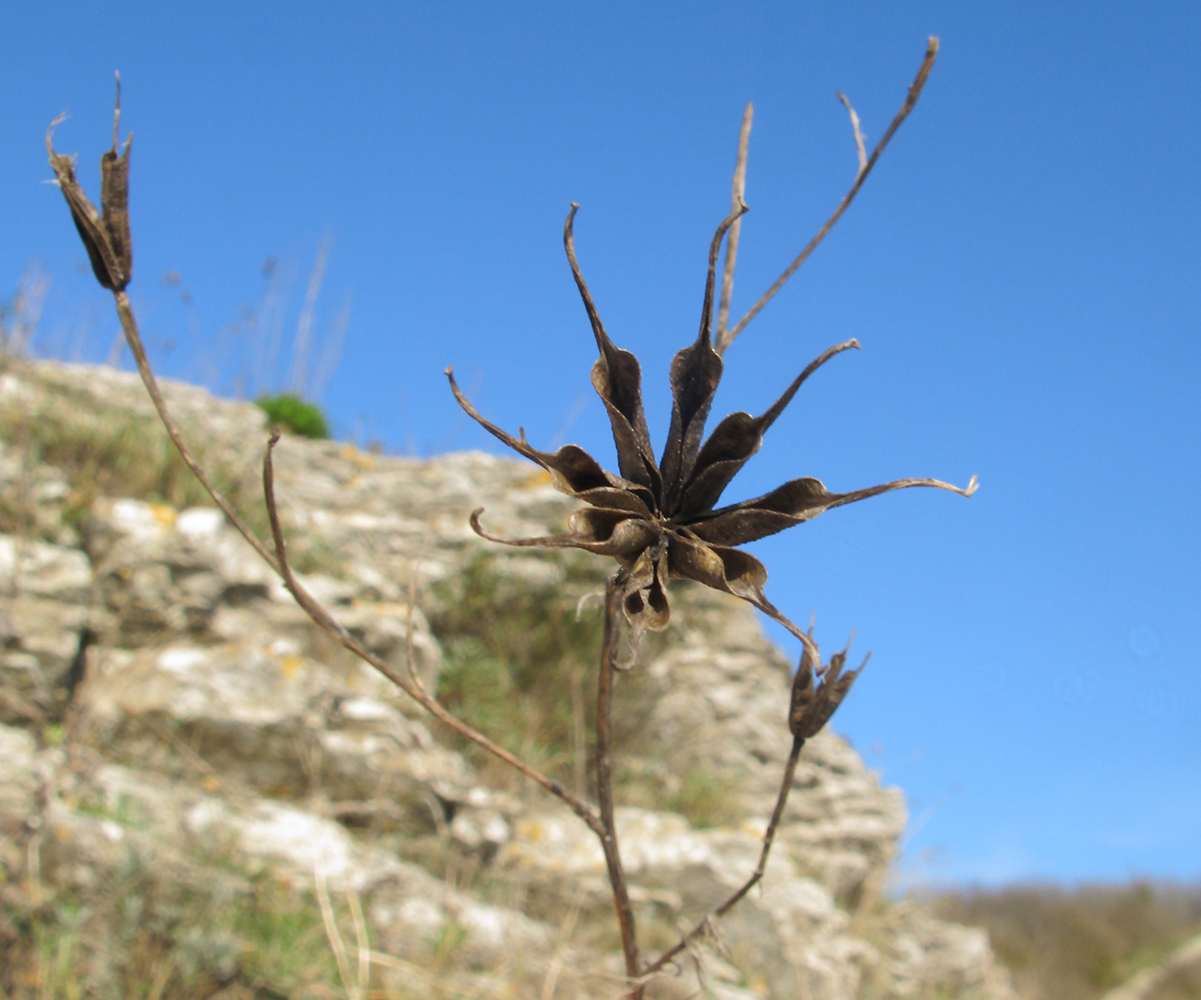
x=166, y=708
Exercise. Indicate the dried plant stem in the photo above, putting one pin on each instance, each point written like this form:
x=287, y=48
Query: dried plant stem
x=304, y=326
x=163, y=976
x=410, y=684
x=656, y=507
x=320, y=616
x=915, y=91
x=737, y=199
x=332, y=934
x=361, y=939
x=769, y=837
x=565, y=931
x=129, y=326
x=860, y=148
x=603, y=825
x=604, y=778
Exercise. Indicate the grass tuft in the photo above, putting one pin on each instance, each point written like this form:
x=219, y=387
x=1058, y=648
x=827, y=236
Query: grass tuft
x=141, y=934
x=518, y=664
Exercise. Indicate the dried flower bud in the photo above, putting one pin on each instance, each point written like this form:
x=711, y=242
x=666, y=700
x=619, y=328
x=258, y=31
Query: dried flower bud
x=105, y=233
x=810, y=707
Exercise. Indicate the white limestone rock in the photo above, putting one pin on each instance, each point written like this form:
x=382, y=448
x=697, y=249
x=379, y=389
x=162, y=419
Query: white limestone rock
x=44, y=597
x=19, y=779
x=123, y=818
x=268, y=719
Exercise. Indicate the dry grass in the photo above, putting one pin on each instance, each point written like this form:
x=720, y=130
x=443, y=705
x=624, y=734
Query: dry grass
x=113, y=453
x=519, y=665
x=109, y=453
x=193, y=931
x=145, y=934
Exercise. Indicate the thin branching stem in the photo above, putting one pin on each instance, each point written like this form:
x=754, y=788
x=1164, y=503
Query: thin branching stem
x=704, y=924
x=915, y=91
x=737, y=198
x=129, y=325
x=417, y=691
x=278, y=561
x=604, y=778
x=603, y=825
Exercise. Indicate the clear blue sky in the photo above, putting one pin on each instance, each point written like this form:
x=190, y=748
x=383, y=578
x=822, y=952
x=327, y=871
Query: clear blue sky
x=1022, y=271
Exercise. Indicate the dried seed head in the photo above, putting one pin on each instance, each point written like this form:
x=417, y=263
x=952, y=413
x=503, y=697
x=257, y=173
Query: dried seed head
x=105, y=233
x=659, y=518
x=812, y=706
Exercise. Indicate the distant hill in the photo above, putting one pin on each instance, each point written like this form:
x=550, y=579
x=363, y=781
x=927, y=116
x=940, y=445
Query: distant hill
x=1081, y=943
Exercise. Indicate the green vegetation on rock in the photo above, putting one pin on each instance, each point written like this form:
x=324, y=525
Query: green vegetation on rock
x=297, y=415
x=111, y=452
x=141, y=934
x=516, y=660
x=520, y=638
x=108, y=453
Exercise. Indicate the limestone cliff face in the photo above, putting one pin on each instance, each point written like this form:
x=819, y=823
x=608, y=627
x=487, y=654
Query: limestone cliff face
x=160, y=694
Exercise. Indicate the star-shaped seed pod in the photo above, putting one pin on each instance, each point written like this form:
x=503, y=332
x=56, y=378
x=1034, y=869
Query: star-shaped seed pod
x=659, y=519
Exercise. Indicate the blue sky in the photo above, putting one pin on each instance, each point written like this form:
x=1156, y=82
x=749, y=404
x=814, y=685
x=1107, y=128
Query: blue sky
x=1022, y=271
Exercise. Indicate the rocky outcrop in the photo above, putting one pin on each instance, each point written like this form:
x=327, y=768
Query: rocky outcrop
x=46, y=590
x=113, y=818
x=166, y=707
x=716, y=697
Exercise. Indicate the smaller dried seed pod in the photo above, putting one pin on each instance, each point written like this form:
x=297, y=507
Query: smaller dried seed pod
x=105, y=233
x=811, y=706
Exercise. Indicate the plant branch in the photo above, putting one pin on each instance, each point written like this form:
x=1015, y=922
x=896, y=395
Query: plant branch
x=278, y=561
x=768, y=839
x=604, y=825
x=129, y=326
x=416, y=691
x=737, y=199
x=915, y=91
x=604, y=779
x=107, y=240
x=332, y=934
